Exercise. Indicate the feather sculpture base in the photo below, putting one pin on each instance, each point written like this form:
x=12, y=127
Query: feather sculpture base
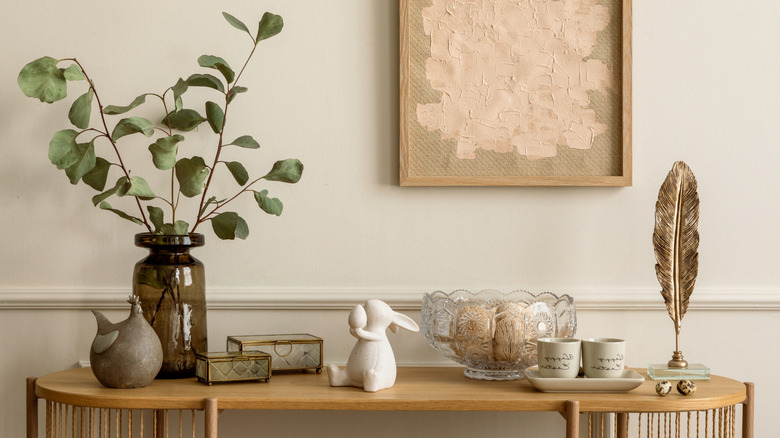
x=662, y=371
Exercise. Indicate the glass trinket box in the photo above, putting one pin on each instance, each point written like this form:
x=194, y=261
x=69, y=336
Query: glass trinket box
x=288, y=351
x=232, y=367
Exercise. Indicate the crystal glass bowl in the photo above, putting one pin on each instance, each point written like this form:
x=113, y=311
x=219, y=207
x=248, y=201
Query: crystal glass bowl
x=494, y=333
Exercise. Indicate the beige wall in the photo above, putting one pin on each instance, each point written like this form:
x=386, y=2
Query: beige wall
x=325, y=91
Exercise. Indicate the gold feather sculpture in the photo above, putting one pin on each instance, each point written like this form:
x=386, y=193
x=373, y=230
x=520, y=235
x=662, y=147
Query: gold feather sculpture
x=676, y=242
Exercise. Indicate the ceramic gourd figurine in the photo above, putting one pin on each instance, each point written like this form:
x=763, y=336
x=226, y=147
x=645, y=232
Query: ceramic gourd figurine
x=371, y=364
x=127, y=354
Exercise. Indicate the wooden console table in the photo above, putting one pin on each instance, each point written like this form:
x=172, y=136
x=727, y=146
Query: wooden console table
x=77, y=405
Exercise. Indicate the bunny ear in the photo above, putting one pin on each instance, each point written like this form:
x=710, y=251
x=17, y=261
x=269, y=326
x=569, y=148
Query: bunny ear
x=402, y=321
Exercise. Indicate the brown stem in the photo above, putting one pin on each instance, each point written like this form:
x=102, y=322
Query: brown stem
x=173, y=172
x=157, y=309
x=200, y=218
x=111, y=140
x=222, y=204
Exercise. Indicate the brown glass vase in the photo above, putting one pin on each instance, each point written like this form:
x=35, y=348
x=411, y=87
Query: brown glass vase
x=171, y=285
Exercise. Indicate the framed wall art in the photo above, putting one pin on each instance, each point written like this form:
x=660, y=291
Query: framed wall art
x=515, y=92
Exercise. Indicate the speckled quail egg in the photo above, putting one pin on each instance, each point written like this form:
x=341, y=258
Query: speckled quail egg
x=662, y=388
x=686, y=387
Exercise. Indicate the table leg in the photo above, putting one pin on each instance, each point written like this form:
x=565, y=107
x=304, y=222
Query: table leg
x=747, y=410
x=32, y=408
x=161, y=421
x=212, y=418
x=622, y=425
x=572, y=416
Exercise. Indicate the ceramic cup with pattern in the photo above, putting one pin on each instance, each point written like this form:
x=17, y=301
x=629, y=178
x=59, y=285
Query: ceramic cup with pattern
x=603, y=357
x=558, y=357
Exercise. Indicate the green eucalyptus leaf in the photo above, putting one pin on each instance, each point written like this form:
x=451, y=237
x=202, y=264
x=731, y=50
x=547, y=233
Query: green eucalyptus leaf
x=156, y=216
x=62, y=148
x=84, y=164
x=215, y=116
x=180, y=227
x=43, y=80
x=153, y=277
x=229, y=225
x=184, y=120
x=74, y=73
x=97, y=199
x=211, y=200
x=238, y=24
x=235, y=91
x=200, y=161
x=137, y=187
x=106, y=206
x=269, y=26
x=269, y=205
x=178, y=90
x=191, y=174
x=113, y=110
x=245, y=141
x=288, y=171
x=238, y=171
x=97, y=177
x=215, y=62
x=206, y=80
x=132, y=125
x=81, y=110
x=164, y=151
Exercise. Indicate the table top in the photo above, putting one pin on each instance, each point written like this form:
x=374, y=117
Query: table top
x=416, y=389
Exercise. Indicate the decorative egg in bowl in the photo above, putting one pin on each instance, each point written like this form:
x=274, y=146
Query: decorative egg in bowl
x=494, y=333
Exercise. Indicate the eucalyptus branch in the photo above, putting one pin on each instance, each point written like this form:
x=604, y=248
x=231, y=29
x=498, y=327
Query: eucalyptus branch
x=111, y=140
x=164, y=200
x=200, y=219
x=173, y=195
x=220, y=145
x=173, y=172
x=102, y=134
x=165, y=109
x=222, y=204
x=240, y=72
x=190, y=176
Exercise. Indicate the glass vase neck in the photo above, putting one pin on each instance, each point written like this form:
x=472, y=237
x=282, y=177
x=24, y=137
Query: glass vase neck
x=169, y=242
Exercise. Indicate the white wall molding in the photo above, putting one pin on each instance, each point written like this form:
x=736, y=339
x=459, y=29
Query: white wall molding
x=43, y=298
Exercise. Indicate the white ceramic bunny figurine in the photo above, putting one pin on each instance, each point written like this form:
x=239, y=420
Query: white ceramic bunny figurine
x=371, y=364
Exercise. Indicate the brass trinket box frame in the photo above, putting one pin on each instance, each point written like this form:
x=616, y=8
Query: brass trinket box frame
x=288, y=351
x=232, y=367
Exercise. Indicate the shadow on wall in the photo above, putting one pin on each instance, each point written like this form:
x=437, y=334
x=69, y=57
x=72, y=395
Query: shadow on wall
x=385, y=73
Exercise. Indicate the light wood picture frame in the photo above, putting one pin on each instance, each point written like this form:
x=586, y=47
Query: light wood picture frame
x=515, y=93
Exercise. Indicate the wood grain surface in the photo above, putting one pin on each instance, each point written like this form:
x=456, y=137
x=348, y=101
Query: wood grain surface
x=416, y=389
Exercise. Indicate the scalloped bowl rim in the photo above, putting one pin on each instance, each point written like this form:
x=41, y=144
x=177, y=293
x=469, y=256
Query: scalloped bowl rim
x=508, y=295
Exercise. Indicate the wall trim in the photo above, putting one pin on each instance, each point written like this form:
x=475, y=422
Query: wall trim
x=245, y=298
